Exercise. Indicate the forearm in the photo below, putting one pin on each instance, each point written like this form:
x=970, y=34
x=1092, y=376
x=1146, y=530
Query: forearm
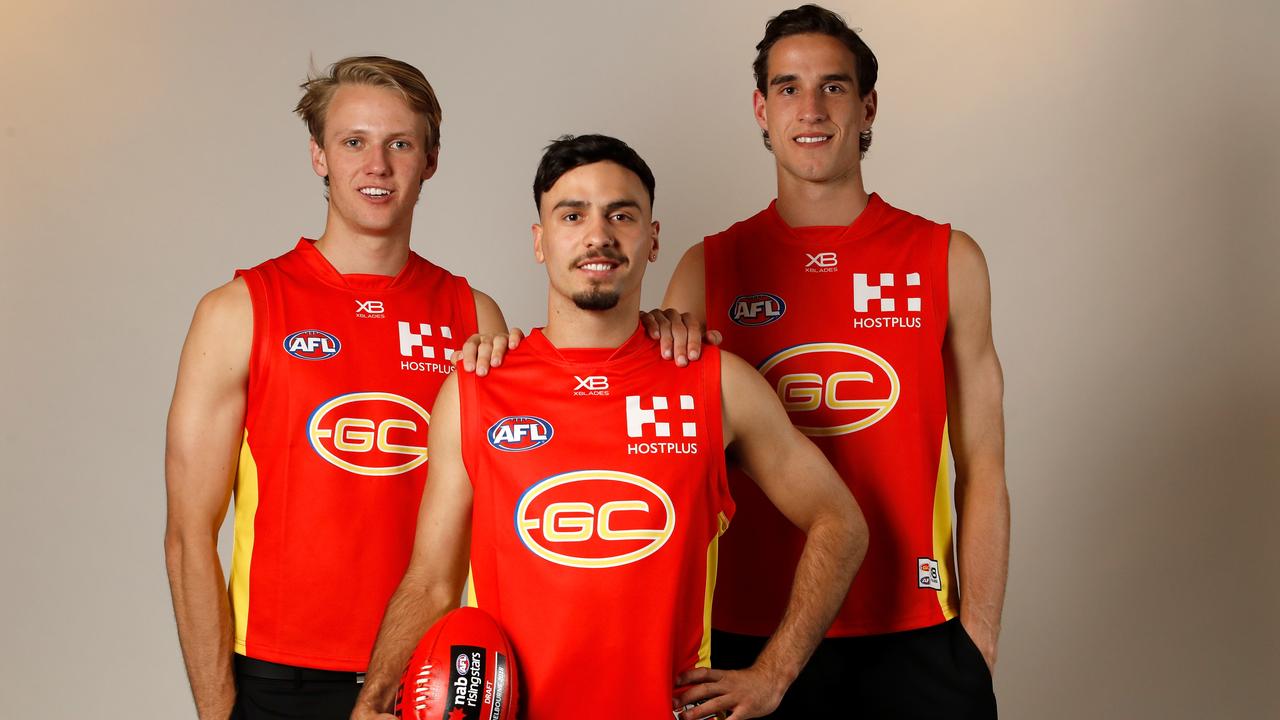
x=413, y=608
x=203, y=614
x=983, y=543
x=833, y=551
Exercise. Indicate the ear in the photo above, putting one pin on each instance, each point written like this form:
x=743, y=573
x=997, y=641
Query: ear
x=653, y=235
x=869, y=105
x=318, y=162
x=537, y=244
x=433, y=163
x=757, y=102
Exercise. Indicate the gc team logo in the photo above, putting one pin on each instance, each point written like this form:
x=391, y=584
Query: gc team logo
x=595, y=518
x=832, y=388
x=312, y=345
x=370, y=433
x=517, y=433
x=757, y=309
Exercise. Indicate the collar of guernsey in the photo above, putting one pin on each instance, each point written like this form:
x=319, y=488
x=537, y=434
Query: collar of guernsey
x=323, y=269
x=805, y=236
x=540, y=344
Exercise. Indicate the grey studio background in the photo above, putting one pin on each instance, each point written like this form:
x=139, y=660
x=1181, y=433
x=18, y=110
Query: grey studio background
x=1117, y=161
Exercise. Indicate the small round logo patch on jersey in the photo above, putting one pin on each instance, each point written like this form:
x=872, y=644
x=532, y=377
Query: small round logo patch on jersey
x=756, y=309
x=518, y=433
x=312, y=345
x=832, y=388
x=370, y=433
x=595, y=518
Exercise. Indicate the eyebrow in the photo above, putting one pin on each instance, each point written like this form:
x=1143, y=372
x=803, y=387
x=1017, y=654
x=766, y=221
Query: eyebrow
x=583, y=204
x=830, y=77
x=367, y=131
x=619, y=204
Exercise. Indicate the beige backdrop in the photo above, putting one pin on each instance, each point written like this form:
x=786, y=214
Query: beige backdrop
x=1118, y=162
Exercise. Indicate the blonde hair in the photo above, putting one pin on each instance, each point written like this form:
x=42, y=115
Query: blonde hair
x=372, y=70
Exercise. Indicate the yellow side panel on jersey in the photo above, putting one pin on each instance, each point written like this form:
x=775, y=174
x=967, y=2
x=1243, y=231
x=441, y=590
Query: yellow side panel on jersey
x=242, y=550
x=942, y=544
x=713, y=558
x=469, y=592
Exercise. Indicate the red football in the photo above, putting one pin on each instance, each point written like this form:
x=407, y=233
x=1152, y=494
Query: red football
x=463, y=669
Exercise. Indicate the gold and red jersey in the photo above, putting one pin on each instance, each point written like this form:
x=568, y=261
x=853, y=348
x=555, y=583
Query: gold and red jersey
x=847, y=324
x=343, y=373
x=600, y=494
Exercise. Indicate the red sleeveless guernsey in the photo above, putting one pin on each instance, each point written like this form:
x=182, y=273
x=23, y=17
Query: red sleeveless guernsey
x=847, y=324
x=600, y=492
x=343, y=372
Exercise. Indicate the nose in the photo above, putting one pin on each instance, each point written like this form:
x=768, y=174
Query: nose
x=599, y=233
x=376, y=160
x=813, y=106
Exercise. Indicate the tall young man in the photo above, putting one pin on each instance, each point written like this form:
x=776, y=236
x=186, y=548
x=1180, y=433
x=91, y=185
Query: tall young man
x=873, y=325
x=582, y=485
x=304, y=385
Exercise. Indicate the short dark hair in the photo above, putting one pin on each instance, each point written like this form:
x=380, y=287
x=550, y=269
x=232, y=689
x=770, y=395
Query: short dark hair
x=568, y=152
x=816, y=19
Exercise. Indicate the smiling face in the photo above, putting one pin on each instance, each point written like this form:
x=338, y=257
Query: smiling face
x=375, y=157
x=811, y=108
x=595, y=236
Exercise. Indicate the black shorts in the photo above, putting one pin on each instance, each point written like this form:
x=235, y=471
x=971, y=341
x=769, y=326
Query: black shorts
x=271, y=691
x=933, y=672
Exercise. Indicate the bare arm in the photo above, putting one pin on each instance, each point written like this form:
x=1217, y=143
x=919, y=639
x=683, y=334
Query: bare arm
x=975, y=397
x=797, y=478
x=687, y=291
x=489, y=319
x=437, y=568
x=205, y=430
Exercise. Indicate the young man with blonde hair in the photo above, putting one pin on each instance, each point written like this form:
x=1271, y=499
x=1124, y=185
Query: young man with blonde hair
x=303, y=386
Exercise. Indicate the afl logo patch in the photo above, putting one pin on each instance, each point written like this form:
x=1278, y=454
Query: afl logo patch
x=517, y=433
x=312, y=345
x=595, y=518
x=757, y=309
x=461, y=664
x=370, y=433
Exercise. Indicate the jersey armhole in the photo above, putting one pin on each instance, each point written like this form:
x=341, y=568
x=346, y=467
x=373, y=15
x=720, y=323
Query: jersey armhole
x=711, y=283
x=939, y=254
x=258, y=300
x=466, y=308
x=467, y=424
x=712, y=399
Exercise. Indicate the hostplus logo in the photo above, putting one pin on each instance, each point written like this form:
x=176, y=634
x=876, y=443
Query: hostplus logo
x=432, y=344
x=887, y=302
x=652, y=420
